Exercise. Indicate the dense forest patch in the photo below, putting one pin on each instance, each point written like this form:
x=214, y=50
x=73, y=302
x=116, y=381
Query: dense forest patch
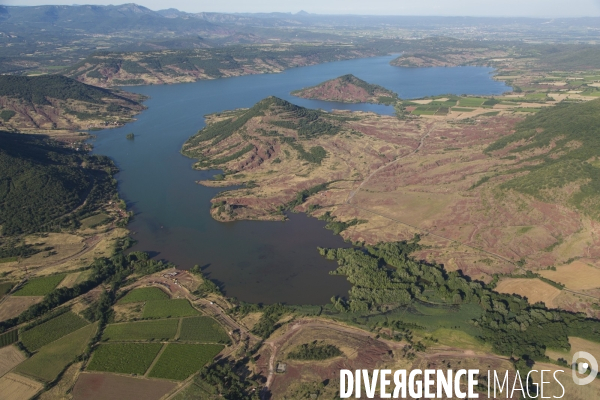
x=314, y=351
x=45, y=186
x=386, y=278
x=37, y=89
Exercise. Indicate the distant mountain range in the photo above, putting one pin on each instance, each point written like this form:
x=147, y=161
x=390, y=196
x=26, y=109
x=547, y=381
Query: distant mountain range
x=96, y=18
x=40, y=37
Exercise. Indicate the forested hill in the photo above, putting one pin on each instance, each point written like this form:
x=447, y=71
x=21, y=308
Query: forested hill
x=44, y=185
x=38, y=89
x=348, y=89
x=41, y=103
x=559, y=154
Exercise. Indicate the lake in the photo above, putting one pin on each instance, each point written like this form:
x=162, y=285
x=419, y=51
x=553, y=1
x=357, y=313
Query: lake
x=261, y=262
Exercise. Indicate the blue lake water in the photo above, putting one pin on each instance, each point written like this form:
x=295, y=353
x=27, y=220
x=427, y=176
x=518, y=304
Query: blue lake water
x=254, y=261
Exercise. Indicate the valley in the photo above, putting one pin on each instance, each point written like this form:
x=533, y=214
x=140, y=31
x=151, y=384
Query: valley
x=238, y=206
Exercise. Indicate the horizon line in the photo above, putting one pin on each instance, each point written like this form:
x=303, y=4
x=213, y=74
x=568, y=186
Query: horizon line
x=306, y=13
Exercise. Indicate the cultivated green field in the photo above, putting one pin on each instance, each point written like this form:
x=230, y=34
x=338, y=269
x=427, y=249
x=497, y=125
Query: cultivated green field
x=95, y=220
x=52, y=359
x=51, y=330
x=162, y=329
x=168, y=309
x=471, y=102
x=144, y=294
x=179, y=361
x=435, y=109
x=9, y=338
x=446, y=103
x=462, y=109
x=203, y=329
x=40, y=286
x=126, y=358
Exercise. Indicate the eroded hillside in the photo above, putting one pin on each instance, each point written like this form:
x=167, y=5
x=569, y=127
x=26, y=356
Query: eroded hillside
x=52, y=102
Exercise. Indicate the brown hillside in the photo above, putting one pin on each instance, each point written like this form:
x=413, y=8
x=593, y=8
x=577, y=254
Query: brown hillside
x=57, y=103
x=348, y=89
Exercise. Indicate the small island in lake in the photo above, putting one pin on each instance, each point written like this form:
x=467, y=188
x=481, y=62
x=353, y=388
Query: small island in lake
x=348, y=89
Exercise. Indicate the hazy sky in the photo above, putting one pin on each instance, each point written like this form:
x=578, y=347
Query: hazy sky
x=528, y=8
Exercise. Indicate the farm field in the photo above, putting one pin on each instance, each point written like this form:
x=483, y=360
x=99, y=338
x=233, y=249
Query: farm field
x=5, y=288
x=95, y=220
x=51, y=330
x=128, y=312
x=203, y=329
x=10, y=356
x=12, y=306
x=125, y=358
x=144, y=294
x=168, y=309
x=431, y=110
x=179, y=361
x=577, y=344
x=163, y=329
x=576, y=276
x=51, y=359
x=65, y=384
x=9, y=337
x=40, y=286
x=534, y=289
x=17, y=387
x=572, y=391
x=471, y=102
x=99, y=386
x=70, y=280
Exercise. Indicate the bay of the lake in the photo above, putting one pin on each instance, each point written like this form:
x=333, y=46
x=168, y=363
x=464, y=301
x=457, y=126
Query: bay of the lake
x=254, y=261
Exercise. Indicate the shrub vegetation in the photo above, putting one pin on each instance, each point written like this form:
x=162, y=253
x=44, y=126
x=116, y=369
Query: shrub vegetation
x=385, y=277
x=314, y=351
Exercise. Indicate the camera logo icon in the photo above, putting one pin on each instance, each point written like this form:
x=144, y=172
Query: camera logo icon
x=582, y=367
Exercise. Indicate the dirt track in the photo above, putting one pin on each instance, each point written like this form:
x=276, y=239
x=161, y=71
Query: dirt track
x=295, y=328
